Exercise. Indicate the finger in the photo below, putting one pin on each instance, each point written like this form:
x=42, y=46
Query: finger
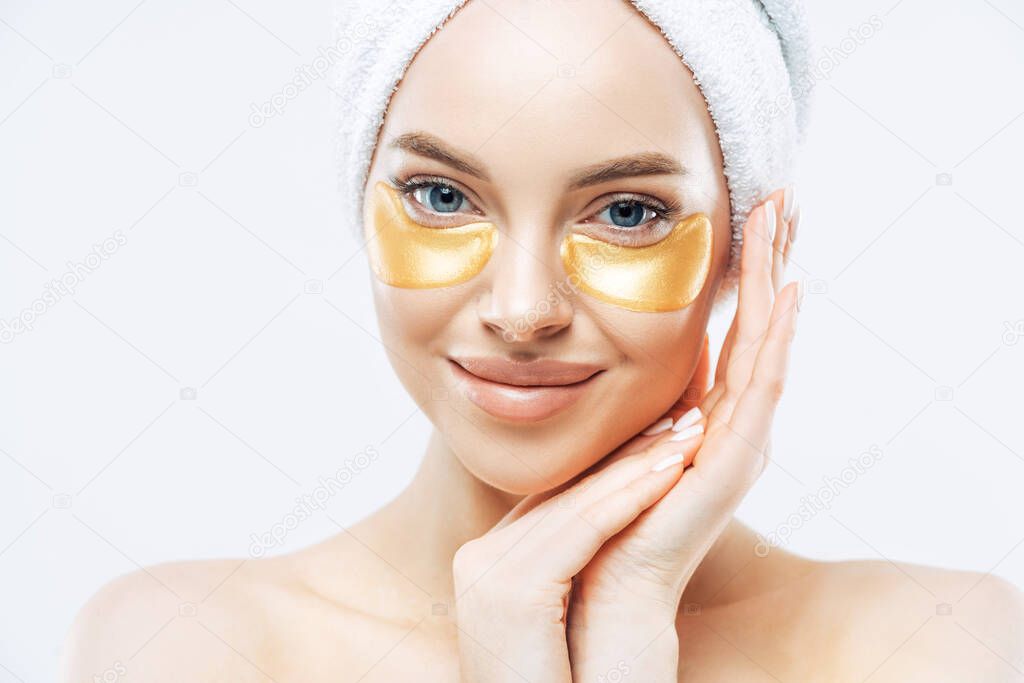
x=539, y=504
x=586, y=489
x=711, y=399
x=723, y=356
x=707, y=404
x=792, y=233
x=529, y=504
x=730, y=460
x=783, y=215
x=584, y=532
x=785, y=202
x=686, y=442
x=741, y=458
x=754, y=305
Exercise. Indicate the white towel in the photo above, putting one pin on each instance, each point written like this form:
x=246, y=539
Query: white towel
x=750, y=59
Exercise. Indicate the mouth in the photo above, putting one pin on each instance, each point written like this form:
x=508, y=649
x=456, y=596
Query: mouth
x=523, y=391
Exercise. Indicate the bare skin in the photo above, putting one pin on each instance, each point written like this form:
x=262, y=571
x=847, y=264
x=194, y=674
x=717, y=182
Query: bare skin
x=781, y=618
x=389, y=599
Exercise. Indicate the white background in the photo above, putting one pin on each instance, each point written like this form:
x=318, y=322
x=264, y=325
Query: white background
x=135, y=117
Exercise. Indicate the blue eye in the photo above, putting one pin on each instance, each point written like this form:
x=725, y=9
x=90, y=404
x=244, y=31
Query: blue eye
x=441, y=198
x=628, y=213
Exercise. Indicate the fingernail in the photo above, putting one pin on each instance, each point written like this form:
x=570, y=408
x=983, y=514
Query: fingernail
x=658, y=427
x=691, y=416
x=793, y=224
x=667, y=462
x=788, y=203
x=689, y=432
x=769, y=217
x=799, y=294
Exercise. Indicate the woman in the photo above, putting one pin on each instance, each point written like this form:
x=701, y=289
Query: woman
x=547, y=309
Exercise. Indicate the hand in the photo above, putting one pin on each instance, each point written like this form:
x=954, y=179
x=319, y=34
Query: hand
x=628, y=595
x=512, y=584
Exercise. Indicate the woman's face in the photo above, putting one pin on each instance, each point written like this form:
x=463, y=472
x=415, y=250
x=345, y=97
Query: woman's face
x=502, y=120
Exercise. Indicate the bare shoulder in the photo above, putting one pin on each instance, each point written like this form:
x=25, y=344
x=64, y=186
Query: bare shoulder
x=242, y=620
x=180, y=621
x=907, y=622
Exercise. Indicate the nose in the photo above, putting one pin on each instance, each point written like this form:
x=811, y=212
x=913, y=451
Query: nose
x=528, y=298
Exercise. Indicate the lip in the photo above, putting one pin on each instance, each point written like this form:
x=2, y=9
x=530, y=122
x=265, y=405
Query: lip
x=523, y=391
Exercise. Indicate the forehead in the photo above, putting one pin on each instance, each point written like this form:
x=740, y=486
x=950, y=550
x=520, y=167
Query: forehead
x=554, y=85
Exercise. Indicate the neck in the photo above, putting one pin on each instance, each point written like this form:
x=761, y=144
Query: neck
x=446, y=505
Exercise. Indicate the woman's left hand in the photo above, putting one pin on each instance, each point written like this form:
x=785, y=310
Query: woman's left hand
x=626, y=599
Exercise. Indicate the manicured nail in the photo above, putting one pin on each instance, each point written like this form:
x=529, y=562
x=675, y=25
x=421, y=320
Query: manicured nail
x=658, y=427
x=667, y=462
x=788, y=203
x=792, y=226
x=689, y=432
x=691, y=416
x=799, y=294
x=769, y=217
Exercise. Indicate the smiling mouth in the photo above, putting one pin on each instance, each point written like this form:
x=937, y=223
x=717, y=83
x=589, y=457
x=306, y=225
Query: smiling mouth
x=523, y=391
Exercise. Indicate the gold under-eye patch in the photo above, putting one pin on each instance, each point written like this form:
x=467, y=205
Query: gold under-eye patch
x=665, y=276
x=406, y=254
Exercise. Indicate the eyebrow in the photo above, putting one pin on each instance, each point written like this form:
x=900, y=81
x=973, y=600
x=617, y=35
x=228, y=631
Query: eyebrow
x=641, y=164
x=426, y=145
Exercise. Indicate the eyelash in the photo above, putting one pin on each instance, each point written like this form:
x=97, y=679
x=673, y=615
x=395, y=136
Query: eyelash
x=666, y=211
x=407, y=187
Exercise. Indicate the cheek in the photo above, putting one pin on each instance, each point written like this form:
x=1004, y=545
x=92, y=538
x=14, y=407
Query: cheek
x=658, y=353
x=412, y=323
x=415, y=321
x=666, y=276
x=406, y=254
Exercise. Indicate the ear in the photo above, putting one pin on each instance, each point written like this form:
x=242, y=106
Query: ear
x=697, y=387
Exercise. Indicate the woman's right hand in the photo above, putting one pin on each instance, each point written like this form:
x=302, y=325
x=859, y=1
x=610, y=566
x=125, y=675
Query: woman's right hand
x=512, y=584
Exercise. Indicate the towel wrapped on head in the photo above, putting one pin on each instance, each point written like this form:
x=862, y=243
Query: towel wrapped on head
x=750, y=59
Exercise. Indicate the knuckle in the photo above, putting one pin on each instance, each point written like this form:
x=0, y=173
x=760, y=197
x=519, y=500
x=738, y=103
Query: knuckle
x=727, y=403
x=783, y=332
x=632, y=506
x=749, y=476
x=596, y=519
x=591, y=517
x=758, y=460
x=771, y=388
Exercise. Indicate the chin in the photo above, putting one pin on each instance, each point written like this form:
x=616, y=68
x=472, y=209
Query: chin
x=504, y=467
x=527, y=456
